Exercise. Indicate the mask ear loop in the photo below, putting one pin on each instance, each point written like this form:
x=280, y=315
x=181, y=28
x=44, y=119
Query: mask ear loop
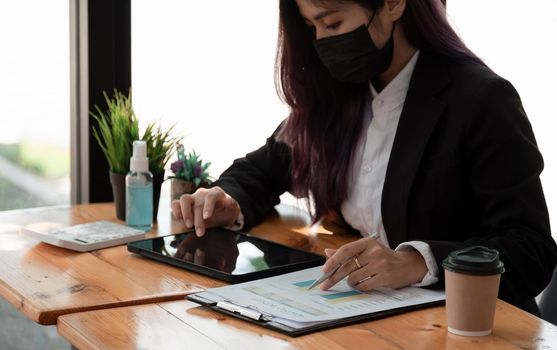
x=371, y=19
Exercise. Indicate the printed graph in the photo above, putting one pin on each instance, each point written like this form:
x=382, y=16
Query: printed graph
x=343, y=297
x=284, y=300
x=331, y=297
x=303, y=284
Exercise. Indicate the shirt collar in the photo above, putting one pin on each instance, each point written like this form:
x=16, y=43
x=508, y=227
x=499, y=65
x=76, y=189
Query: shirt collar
x=395, y=92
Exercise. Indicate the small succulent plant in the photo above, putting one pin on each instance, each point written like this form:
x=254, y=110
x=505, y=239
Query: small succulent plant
x=190, y=167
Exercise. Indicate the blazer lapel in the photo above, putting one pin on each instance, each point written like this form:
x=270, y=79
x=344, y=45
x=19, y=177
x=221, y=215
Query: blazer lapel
x=419, y=115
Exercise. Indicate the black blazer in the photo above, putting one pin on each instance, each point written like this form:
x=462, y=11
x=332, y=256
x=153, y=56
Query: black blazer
x=464, y=170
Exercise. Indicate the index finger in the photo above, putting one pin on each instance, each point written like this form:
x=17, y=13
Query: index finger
x=185, y=206
x=211, y=198
x=344, y=253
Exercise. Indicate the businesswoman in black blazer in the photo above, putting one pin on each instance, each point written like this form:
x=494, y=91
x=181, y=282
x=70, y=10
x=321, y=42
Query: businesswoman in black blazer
x=397, y=129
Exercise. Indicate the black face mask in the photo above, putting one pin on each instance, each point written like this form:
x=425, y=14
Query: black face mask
x=353, y=57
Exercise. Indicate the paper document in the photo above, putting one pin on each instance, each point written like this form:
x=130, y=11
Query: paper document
x=287, y=298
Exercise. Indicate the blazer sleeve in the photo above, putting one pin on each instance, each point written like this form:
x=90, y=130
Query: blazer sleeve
x=257, y=180
x=503, y=164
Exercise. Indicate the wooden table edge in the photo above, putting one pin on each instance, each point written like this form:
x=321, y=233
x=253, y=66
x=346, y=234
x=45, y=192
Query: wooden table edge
x=17, y=301
x=49, y=317
x=72, y=335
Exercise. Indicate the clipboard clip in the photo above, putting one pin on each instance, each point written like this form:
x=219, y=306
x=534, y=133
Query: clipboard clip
x=244, y=311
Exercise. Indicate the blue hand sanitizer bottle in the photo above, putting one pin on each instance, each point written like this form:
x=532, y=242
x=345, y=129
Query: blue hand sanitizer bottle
x=139, y=189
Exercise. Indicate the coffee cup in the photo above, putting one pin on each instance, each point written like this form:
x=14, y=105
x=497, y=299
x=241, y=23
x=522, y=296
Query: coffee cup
x=472, y=277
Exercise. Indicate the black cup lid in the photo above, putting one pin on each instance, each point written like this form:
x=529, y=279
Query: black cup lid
x=476, y=260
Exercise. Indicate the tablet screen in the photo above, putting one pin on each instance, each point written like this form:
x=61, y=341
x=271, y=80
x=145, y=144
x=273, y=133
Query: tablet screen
x=230, y=253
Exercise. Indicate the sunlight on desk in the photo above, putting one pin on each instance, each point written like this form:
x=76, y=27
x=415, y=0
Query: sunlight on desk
x=13, y=244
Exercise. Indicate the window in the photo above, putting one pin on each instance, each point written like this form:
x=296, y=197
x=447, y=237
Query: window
x=208, y=67
x=517, y=40
x=34, y=104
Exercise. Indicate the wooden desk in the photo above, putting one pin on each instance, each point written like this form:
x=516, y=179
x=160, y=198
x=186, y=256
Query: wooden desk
x=45, y=281
x=183, y=324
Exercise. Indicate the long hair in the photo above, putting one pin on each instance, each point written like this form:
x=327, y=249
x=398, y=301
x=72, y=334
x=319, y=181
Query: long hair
x=327, y=116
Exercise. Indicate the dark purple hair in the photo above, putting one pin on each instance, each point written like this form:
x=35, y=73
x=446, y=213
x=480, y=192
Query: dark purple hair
x=327, y=116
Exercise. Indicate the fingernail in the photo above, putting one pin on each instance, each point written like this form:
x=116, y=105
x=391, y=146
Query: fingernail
x=199, y=231
x=205, y=215
x=189, y=223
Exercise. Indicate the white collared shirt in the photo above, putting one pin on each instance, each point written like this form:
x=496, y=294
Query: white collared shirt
x=362, y=208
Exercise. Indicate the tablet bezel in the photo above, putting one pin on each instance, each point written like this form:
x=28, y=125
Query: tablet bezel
x=317, y=260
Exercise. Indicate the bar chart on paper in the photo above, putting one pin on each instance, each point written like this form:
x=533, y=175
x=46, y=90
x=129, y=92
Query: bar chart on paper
x=339, y=297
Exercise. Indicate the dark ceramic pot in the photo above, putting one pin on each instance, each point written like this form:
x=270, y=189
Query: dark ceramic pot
x=118, y=182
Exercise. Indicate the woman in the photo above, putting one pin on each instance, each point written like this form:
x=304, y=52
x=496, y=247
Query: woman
x=399, y=130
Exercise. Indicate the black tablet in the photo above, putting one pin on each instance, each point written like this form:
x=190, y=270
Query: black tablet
x=229, y=256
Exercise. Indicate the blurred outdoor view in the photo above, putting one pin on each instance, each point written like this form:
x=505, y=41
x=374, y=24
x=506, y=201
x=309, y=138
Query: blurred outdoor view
x=34, y=131
x=34, y=103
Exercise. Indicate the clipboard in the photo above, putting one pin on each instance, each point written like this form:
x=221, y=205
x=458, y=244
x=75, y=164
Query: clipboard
x=285, y=304
x=264, y=320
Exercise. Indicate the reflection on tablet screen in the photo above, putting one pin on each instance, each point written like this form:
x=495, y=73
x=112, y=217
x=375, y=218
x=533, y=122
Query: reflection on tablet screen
x=227, y=251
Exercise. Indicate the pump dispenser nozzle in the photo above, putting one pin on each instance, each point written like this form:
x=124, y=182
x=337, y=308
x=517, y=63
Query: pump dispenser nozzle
x=139, y=161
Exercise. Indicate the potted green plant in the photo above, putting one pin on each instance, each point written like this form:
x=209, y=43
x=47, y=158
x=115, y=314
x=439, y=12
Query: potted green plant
x=190, y=172
x=117, y=128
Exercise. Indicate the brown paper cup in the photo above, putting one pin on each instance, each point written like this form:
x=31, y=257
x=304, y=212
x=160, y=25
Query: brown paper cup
x=472, y=277
x=470, y=303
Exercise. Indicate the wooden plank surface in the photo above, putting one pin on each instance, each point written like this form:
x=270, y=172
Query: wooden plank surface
x=181, y=324
x=45, y=281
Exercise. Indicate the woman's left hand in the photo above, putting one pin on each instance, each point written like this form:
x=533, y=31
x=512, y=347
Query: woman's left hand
x=379, y=266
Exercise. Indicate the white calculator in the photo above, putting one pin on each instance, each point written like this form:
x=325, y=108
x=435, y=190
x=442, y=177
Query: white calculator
x=84, y=237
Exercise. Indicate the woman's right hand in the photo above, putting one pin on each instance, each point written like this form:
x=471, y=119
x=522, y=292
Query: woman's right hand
x=206, y=208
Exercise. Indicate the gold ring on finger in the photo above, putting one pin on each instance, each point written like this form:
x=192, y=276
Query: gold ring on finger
x=364, y=279
x=355, y=258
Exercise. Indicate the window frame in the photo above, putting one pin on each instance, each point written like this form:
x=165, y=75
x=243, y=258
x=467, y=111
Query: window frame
x=100, y=60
